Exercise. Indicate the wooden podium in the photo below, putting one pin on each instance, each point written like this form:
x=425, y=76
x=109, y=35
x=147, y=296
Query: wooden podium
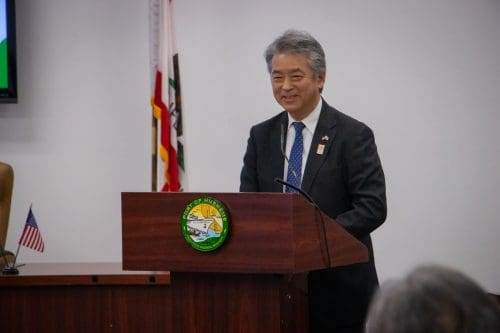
x=257, y=280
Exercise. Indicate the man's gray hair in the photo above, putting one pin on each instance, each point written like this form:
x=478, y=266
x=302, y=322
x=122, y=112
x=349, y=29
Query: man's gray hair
x=433, y=299
x=298, y=42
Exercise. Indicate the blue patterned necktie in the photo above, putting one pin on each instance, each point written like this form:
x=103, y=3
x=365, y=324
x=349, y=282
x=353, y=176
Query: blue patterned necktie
x=294, y=172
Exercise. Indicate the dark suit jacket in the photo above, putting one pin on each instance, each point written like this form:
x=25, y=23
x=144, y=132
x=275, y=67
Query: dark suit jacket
x=347, y=183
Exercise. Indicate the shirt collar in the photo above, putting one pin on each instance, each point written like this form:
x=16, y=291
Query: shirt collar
x=311, y=120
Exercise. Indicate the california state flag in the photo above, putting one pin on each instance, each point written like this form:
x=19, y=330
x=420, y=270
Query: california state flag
x=168, y=169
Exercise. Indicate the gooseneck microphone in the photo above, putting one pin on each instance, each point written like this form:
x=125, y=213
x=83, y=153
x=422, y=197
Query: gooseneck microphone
x=298, y=189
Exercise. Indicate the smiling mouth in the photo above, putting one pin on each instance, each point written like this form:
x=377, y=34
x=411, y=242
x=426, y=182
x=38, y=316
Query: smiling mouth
x=288, y=98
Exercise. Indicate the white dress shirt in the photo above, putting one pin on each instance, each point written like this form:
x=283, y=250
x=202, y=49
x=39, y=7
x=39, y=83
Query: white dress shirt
x=310, y=123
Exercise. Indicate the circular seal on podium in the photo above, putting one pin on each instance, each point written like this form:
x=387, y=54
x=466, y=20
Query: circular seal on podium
x=205, y=224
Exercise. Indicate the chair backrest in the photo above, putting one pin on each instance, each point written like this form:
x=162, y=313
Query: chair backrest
x=6, y=186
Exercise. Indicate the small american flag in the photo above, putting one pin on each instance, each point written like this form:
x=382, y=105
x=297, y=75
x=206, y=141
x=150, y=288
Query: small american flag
x=31, y=236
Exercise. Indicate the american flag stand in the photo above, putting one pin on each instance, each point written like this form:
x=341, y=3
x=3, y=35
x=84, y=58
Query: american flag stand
x=31, y=237
x=8, y=269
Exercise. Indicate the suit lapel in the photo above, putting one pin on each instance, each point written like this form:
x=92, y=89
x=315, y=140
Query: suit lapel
x=321, y=144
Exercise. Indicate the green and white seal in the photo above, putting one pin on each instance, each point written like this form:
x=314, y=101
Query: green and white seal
x=205, y=224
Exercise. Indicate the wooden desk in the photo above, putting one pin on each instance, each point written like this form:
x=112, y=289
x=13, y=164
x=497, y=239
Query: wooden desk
x=87, y=297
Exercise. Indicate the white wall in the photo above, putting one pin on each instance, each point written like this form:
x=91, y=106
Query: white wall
x=80, y=133
x=424, y=75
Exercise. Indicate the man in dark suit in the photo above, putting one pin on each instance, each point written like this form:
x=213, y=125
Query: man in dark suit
x=333, y=158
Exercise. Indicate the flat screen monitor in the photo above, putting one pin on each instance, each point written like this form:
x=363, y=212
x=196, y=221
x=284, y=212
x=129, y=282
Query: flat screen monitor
x=8, y=64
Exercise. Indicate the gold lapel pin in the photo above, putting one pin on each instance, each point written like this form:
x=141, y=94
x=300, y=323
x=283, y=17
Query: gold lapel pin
x=325, y=138
x=320, y=149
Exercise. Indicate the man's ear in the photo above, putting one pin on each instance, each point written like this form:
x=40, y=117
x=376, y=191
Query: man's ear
x=321, y=82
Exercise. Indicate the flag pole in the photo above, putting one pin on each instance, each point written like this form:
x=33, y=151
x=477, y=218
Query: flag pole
x=19, y=243
x=154, y=40
x=154, y=152
x=17, y=253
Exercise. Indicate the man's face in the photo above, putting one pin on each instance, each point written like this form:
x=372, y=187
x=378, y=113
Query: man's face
x=295, y=87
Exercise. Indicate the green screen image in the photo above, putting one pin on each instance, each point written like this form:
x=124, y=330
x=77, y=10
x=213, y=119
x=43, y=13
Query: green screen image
x=3, y=46
x=3, y=64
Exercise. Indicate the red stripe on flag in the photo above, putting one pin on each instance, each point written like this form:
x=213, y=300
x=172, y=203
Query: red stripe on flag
x=31, y=238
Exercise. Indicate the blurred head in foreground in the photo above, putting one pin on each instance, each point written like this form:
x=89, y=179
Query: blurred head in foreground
x=433, y=299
